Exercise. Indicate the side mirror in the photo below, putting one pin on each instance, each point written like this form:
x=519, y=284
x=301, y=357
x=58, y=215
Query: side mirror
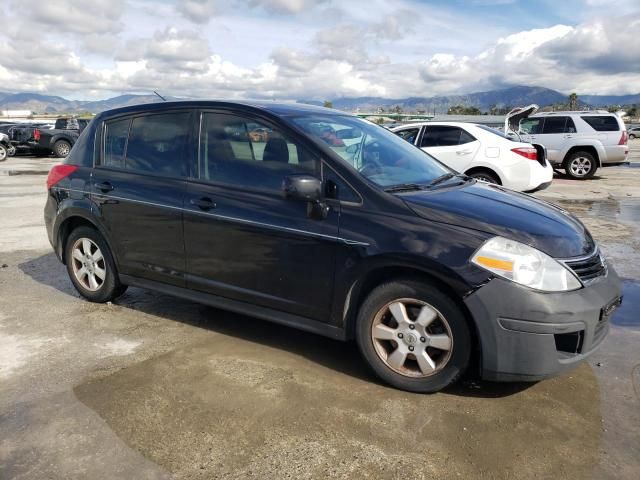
x=302, y=187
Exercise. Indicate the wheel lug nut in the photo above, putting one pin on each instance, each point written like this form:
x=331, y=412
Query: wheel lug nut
x=400, y=335
x=412, y=327
x=411, y=349
x=422, y=339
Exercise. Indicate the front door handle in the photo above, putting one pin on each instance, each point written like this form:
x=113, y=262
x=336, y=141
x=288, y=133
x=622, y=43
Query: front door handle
x=104, y=186
x=203, y=203
x=463, y=152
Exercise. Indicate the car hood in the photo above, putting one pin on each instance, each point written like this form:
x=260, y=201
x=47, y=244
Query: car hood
x=495, y=210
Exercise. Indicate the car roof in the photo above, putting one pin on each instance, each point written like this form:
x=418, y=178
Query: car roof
x=273, y=107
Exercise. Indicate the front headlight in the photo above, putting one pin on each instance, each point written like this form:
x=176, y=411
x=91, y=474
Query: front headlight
x=525, y=265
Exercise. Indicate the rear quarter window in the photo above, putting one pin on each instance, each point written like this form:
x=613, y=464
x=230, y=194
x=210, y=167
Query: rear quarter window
x=604, y=123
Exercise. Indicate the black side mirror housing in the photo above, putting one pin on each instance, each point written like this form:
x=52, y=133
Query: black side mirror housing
x=302, y=187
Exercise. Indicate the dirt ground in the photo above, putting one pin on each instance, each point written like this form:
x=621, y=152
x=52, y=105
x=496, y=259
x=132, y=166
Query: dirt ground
x=158, y=387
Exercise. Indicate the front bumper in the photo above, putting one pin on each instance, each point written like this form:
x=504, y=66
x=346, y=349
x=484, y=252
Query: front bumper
x=527, y=335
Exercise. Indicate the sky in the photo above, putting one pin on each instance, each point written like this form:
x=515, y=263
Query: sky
x=316, y=50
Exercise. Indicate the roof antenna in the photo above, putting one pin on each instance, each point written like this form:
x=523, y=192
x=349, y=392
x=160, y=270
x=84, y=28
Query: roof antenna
x=163, y=99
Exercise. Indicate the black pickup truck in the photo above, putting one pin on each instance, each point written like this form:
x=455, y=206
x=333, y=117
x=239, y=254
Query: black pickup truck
x=32, y=139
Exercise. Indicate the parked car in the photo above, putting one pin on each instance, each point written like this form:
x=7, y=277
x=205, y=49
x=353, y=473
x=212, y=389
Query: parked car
x=578, y=142
x=39, y=139
x=60, y=139
x=482, y=152
x=430, y=271
x=633, y=132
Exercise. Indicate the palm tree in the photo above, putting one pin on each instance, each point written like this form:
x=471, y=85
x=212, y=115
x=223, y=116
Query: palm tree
x=573, y=101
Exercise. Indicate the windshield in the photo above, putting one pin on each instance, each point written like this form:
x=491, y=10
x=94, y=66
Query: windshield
x=376, y=153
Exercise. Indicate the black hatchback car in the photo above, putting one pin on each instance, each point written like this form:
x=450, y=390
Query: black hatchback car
x=330, y=224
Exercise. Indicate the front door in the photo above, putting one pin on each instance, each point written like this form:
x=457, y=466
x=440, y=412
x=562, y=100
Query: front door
x=244, y=240
x=139, y=187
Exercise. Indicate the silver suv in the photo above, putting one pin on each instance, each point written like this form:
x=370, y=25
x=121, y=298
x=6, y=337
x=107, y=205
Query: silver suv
x=578, y=142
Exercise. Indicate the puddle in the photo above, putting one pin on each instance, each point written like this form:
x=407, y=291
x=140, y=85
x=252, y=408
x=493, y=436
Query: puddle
x=625, y=210
x=627, y=314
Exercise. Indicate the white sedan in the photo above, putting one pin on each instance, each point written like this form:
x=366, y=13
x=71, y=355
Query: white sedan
x=481, y=152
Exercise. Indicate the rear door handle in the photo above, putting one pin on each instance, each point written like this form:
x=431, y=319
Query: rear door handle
x=104, y=186
x=463, y=152
x=203, y=203
x=568, y=136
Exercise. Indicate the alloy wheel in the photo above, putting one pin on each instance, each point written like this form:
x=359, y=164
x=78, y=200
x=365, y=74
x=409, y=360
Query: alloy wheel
x=580, y=166
x=412, y=338
x=63, y=149
x=88, y=264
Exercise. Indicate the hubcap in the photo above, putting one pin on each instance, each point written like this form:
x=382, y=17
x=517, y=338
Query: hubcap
x=3, y=153
x=484, y=178
x=63, y=149
x=88, y=264
x=580, y=166
x=412, y=338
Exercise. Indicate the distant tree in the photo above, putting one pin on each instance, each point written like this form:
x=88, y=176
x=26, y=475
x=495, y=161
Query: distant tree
x=573, y=101
x=464, y=110
x=397, y=109
x=328, y=104
x=613, y=108
x=632, y=111
x=378, y=120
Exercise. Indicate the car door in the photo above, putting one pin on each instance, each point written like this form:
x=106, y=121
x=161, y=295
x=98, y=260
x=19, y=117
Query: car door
x=554, y=135
x=452, y=145
x=138, y=189
x=244, y=240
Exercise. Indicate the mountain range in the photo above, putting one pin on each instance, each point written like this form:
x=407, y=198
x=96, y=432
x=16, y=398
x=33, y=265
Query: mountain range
x=506, y=97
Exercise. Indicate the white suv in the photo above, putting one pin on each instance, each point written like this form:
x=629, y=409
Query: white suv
x=578, y=142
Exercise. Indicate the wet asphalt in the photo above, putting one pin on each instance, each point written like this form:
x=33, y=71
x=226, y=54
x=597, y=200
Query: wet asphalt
x=156, y=387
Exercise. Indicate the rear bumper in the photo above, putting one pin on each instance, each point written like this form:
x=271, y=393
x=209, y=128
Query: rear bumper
x=527, y=335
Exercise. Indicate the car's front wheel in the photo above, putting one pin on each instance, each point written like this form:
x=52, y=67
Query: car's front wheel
x=580, y=165
x=413, y=336
x=485, y=176
x=91, y=267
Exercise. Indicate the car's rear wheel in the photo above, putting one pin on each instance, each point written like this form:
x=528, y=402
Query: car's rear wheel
x=413, y=336
x=485, y=176
x=91, y=267
x=3, y=153
x=580, y=165
x=631, y=136
x=11, y=150
x=61, y=148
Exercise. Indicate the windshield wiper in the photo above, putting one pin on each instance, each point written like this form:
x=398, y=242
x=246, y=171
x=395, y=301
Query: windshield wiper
x=404, y=187
x=440, y=179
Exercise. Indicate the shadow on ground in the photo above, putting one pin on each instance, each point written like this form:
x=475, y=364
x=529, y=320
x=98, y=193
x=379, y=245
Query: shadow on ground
x=339, y=356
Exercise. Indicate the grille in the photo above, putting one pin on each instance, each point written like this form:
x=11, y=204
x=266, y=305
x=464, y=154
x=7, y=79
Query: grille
x=588, y=268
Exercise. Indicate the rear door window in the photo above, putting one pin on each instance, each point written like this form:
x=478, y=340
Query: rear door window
x=441, y=136
x=604, y=123
x=157, y=143
x=554, y=125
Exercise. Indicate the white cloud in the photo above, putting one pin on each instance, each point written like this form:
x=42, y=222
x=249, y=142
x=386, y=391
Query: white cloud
x=219, y=49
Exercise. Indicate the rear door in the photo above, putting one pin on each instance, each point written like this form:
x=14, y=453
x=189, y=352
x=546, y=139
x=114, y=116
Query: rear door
x=453, y=146
x=138, y=188
x=555, y=135
x=244, y=240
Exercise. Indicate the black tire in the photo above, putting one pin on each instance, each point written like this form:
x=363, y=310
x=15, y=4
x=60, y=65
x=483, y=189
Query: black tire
x=11, y=151
x=631, y=136
x=580, y=165
x=110, y=288
x=460, y=351
x=4, y=153
x=485, y=176
x=61, y=148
